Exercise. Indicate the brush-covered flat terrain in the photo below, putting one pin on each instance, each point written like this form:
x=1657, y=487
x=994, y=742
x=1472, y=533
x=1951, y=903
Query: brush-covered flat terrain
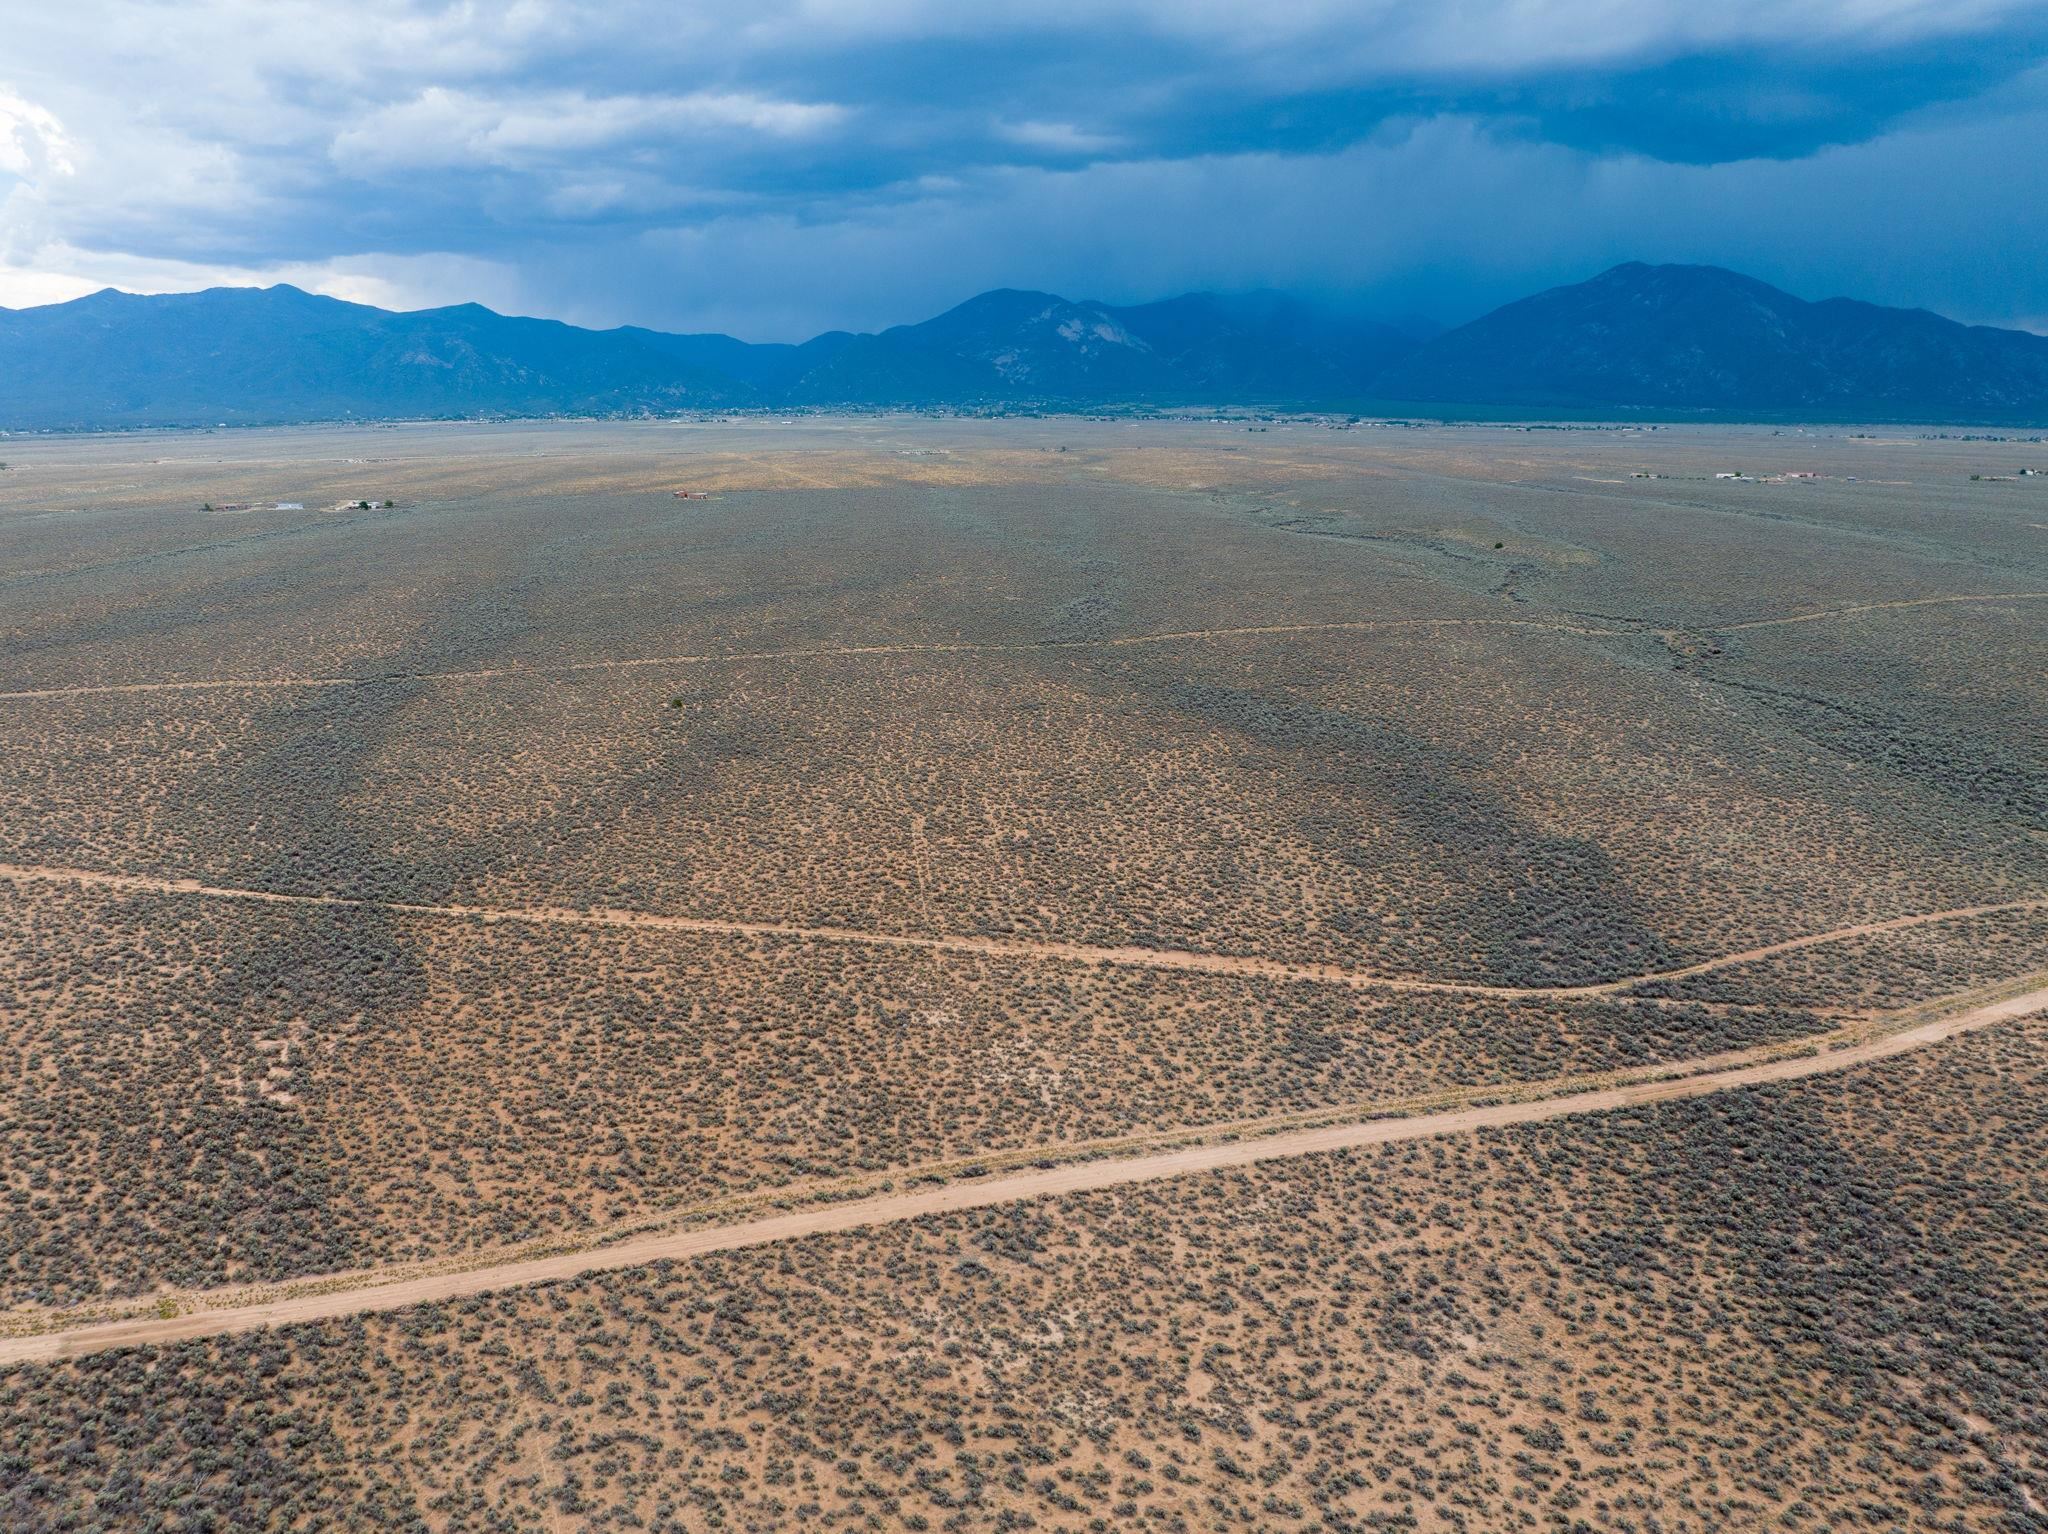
x=540, y=855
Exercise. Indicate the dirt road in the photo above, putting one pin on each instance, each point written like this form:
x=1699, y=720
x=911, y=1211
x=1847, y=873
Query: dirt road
x=964, y=647
x=1170, y=959
x=1822, y=614
x=371, y=1293
x=832, y=652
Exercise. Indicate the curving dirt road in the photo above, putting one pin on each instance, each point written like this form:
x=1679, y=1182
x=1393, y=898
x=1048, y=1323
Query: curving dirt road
x=937, y=647
x=1169, y=959
x=379, y=1292
x=965, y=647
x=1822, y=613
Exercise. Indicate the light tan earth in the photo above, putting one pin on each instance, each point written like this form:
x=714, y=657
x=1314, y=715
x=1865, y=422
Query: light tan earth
x=374, y=1292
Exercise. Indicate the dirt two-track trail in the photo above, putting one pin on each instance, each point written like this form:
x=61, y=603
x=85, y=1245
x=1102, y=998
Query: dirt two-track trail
x=812, y=653
x=974, y=647
x=247, y=1310
x=973, y=945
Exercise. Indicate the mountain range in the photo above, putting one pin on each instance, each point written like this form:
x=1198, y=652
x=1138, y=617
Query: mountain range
x=1662, y=340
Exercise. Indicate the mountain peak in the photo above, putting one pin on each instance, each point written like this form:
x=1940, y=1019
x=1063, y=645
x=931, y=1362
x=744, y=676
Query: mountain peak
x=1704, y=338
x=998, y=306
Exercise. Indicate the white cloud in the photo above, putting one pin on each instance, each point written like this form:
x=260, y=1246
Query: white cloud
x=1058, y=137
x=442, y=127
x=33, y=144
x=54, y=273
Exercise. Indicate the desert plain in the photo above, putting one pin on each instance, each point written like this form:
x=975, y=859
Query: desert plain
x=1188, y=974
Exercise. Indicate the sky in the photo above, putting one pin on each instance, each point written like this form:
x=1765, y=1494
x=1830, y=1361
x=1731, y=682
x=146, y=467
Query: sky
x=783, y=167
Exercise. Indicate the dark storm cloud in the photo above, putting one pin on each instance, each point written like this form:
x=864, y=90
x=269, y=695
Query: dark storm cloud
x=783, y=167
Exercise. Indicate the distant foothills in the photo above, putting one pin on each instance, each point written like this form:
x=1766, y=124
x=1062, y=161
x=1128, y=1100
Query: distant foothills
x=1654, y=342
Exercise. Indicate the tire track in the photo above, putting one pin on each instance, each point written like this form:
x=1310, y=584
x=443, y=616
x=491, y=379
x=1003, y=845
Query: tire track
x=383, y=1290
x=1170, y=960
x=1823, y=613
x=837, y=652
x=970, y=647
